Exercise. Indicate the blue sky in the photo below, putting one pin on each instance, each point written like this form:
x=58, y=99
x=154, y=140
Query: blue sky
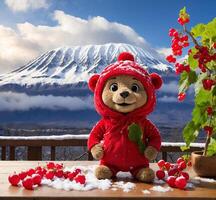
x=149, y=19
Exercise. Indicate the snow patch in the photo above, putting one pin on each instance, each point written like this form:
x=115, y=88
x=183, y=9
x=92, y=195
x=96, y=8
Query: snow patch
x=159, y=188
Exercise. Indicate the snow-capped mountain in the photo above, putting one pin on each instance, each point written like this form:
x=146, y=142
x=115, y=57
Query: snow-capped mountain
x=72, y=65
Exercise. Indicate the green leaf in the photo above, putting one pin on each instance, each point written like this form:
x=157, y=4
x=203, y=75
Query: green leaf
x=141, y=146
x=184, y=148
x=193, y=63
x=212, y=147
x=199, y=116
x=203, y=97
x=198, y=30
x=183, y=82
x=214, y=91
x=190, y=133
x=134, y=132
x=192, y=77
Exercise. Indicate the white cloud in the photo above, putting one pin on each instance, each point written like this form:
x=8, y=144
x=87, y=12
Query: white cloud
x=24, y=5
x=27, y=41
x=164, y=51
x=11, y=101
x=167, y=99
x=170, y=87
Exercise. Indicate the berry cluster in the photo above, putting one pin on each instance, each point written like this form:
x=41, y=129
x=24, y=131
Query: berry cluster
x=203, y=56
x=184, y=18
x=32, y=178
x=177, y=177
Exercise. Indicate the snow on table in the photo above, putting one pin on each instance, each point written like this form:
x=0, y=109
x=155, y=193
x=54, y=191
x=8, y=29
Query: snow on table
x=91, y=182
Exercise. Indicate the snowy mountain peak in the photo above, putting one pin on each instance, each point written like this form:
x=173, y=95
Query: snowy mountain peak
x=70, y=65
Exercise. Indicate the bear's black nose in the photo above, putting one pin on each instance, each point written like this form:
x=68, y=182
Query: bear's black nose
x=124, y=94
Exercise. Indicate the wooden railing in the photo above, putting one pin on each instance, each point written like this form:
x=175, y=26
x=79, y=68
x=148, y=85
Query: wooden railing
x=34, y=145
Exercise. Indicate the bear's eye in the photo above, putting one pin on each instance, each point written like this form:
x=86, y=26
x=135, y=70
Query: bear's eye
x=135, y=87
x=114, y=87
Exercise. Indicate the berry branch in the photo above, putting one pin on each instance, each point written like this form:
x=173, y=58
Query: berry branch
x=198, y=69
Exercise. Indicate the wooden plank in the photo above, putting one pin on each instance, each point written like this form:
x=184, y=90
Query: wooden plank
x=12, y=153
x=204, y=191
x=3, y=152
x=34, y=153
x=53, y=150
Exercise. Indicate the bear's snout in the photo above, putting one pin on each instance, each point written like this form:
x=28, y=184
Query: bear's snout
x=124, y=94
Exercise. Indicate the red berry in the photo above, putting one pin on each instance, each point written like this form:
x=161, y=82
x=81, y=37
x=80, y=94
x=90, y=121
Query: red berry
x=209, y=111
x=171, y=31
x=171, y=59
x=171, y=181
x=173, y=172
x=214, y=45
x=208, y=130
x=180, y=182
x=160, y=174
x=59, y=166
x=167, y=166
x=65, y=174
x=23, y=175
x=50, y=175
x=36, y=179
x=71, y=175
x=77, y=170
x=38, y=168
x=186, y=175
x=161, y=163
x=50, y=165
x=207, y=84
x=181, y=96
x=41, y=173
x=14, y=179
x=80, y=179
x=179, y=160
x=30, y=172
x=182, y=165
x=28, y=183
x=189, y=164
x=59, y=173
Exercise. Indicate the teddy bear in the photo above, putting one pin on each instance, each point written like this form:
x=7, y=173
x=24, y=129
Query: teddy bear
x=124, y=139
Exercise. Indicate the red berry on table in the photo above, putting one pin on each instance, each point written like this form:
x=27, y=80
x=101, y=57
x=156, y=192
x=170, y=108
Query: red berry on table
x=186, y=175
x=180, y=182
x=189, y=164
x=38, y=168
x=181, y=96
x=65, y=174
x=173, y=172
x=59, y=166
x=208, y=130
x=179, y=160
x=77, y=170
x=14, y=179
x=36, y=179
x=167, y=165
x=160, y=174
x=161, y=163
x=40, y=172
x=71, y=175
x=171, y=181
x=209, y=110
x=80, y=179
x=182, y=165
x=50, y=165
x=30, y=172
x=59, y=173
x=28, y=183
x=50, y=175
x=22, y=175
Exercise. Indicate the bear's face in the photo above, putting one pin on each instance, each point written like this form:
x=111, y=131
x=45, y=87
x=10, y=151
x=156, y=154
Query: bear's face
x=124, y=93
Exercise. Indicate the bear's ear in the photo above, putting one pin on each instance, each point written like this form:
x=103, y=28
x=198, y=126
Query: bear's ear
x=93, y=81
x=156, y=80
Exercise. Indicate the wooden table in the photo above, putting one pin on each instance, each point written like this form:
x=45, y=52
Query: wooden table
x=202, y=191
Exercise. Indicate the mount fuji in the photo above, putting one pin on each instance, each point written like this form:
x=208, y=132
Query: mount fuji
x=64, y=72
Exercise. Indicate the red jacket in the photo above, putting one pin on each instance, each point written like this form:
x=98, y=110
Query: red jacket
x=121, y=154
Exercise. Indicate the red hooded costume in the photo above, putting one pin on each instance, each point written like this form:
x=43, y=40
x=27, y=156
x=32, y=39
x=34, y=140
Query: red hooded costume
x=120, y=153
